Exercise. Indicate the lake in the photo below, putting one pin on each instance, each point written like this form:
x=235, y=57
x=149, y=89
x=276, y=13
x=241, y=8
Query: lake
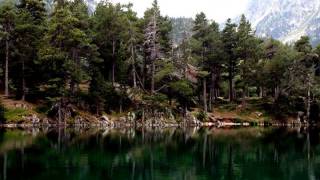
x=186, y=154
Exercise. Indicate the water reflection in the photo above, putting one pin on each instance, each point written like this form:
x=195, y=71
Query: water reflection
x=76, y=153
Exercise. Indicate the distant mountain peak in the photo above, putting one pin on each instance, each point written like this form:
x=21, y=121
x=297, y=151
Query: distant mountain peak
x=286, y=20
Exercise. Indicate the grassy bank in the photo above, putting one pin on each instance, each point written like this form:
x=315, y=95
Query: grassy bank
x=252, y=110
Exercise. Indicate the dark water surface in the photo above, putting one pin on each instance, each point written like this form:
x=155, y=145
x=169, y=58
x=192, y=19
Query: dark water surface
x=249, y=153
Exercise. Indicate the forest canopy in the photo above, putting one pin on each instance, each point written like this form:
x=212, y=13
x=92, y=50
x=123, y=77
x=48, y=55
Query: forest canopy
x=112, y=60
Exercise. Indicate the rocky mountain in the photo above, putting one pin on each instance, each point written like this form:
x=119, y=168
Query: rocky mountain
x=286, y=20
x=92, y=4
x=181, y=29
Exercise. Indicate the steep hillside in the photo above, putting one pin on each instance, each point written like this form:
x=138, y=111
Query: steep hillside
x=286, y=20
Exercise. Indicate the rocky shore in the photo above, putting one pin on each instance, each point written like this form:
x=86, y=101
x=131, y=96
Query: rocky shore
x=130, y=121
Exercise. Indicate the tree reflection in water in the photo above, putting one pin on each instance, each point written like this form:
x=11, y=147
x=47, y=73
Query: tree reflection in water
x=77, y=153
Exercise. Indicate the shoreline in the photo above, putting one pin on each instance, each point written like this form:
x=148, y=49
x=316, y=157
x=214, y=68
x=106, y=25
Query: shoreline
x=163, y=125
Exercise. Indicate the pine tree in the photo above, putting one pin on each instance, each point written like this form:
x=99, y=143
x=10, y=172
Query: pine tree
x=151, y=44
x=133, y=36
x=307, y=62
x=157, y=42
x=7, y=21
x=229, y=38
x=200, y=50
x=30, y=26
x=246, y=52
x=109, y=25
x=65, y=50
x=214, y=61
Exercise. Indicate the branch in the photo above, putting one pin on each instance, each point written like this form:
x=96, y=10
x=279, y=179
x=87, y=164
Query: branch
x=139, y=80
x=164, y=86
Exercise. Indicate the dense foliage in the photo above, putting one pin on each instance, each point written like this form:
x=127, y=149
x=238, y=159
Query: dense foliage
x=112, y=60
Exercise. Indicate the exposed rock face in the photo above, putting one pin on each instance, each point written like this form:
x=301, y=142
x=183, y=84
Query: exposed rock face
x=286, y=20
x=191, y=120
x=92, y=4
x=181, y=29
x=31, y=119
x=35, y=119
x=104, y=121
x=131, y=117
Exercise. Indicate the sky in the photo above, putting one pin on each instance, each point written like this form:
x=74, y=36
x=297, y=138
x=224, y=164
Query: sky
x=218, y=10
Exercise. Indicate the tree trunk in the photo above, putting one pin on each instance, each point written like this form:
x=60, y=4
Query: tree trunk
x=185, y=110
x=244, y=95
x=152, y=77
x=23, y=81
x=218, y=77
x=72, y=87
x=144, y=73
x=231, y=95
x=77, y=86
x=73, y=84
x=113, y=73
x=143, y=118
x=134, y=71
x=205, y=95
x=134, y=78
x=245, y=91
x=309, y=100
x=6, y=91
x=276, y=93
x=210, y=100
x=154, y=54
x=261, y=92
x=59, y=138
x=113, y=61
x=59, y=113
x=212, y=88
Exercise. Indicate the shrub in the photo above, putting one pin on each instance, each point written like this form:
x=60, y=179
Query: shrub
x=2, y=111
x=15, y=115
x=202, y=116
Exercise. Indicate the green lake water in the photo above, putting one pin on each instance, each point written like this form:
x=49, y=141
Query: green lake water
x=245, y=153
